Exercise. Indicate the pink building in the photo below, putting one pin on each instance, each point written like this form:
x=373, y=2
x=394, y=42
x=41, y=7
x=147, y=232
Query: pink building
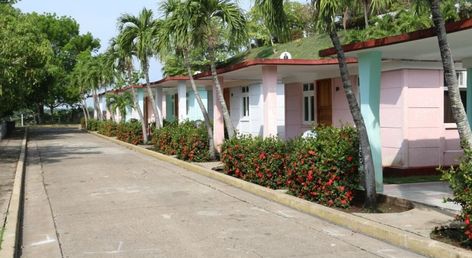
x=399, y=82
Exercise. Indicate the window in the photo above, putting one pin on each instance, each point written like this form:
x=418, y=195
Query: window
x=186, y=103
x=448, y=118
x=245, y=97
x=308, y=102
x=460, y=79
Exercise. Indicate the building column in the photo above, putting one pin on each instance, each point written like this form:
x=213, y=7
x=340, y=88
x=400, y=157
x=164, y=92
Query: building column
x=269, y=92
x=370, y=66
x=182, y=94
x=159, y=100
x=140, y=94
x=218, y=121
x=467, y=63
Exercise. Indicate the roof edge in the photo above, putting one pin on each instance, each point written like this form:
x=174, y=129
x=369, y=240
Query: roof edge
x=397, y=39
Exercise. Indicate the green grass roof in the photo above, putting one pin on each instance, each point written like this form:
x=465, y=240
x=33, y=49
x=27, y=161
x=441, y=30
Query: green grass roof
x=305, y=48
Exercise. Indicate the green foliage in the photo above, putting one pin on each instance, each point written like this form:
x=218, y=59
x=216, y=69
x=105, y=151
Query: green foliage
x=107, y=128
x=37, y=53
x=324, y=169
x=460, y=181
x=130, y=132
x=92, y=125
x=257, y=160
x=186, y=140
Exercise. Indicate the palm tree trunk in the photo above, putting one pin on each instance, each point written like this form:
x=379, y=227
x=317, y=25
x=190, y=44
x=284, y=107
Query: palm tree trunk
x=140, y=113
x=368, y=162
x=365, y=5
x=206, y=117
x=219, y=93
x=96, y=105
x=84, y=110
x=457, y=107
x=155, y=108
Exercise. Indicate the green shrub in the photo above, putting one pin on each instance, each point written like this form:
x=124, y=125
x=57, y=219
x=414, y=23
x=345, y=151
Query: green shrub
x=257, y=160
x=92, y=125
x=460, y=181
x=324, y=169
x=186, y=140
x=130, y=132
x=107, y=128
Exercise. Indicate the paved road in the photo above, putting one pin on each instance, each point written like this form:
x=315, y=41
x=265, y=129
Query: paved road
x=87, y=197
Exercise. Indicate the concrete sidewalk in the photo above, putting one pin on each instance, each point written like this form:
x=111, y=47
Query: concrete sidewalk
x=10, y=149
x=430, y=193
x=108, y=201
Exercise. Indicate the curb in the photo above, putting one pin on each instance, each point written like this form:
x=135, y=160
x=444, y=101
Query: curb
x=389, y=234
x=11, y=234
x=57, y=126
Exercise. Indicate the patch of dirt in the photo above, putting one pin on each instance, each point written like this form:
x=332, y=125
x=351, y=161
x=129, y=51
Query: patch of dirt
x=385, y=204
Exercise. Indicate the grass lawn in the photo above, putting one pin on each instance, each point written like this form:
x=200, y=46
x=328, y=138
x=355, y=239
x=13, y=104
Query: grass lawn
x=411, y=179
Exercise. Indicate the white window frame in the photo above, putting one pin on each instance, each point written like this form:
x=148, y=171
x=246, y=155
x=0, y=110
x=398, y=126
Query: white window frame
x=309, y=91
x=245, y=106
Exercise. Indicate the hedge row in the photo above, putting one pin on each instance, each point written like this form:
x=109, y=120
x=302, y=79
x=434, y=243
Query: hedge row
x=187, y=140
x=323, y=169
x=130, y=132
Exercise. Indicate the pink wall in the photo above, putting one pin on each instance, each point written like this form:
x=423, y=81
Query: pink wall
x=341, y=112
x=431, y=142
x=413, y=133
x=294, y=125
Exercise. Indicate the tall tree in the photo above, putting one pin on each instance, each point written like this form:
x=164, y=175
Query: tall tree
x=141, y=32
x=120, y=54
x=327, y=10
x=177, y=37
x=210, y=19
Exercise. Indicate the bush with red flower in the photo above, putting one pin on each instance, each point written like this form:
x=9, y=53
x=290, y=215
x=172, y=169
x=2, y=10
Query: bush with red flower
x=188, y=140
x=324, y=169
x=460, y=181
x=107, y=128
x=257, y=160
x=130, y=132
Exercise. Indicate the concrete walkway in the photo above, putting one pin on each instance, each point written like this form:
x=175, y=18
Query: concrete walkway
x=430, y=193
x=87, y=197
x=10, y=149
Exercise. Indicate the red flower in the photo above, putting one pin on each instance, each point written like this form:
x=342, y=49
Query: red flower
x=311, y=152
x=467, y=220
x=349, y=158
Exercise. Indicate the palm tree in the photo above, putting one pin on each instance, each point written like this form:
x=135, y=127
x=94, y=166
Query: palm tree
x=450, y=78
x=121, y=57
x=110, y=102
x=177, y=34
x=140, y=32
x=120, y=102
x=370, y=6
x=327, y=10
x=209, y=19
x=274, y=16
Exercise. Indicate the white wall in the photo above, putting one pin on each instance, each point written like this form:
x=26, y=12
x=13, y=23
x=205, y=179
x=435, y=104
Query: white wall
x=253, y=123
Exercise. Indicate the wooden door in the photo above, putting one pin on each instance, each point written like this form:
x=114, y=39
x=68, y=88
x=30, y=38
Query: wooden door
x=227, y=98
x=324, y=102
x=176, y=107
x=145, y=110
